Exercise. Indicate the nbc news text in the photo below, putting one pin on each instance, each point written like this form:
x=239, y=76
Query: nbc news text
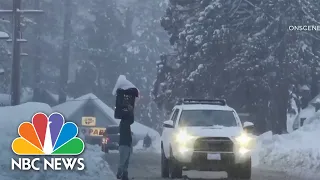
x=56, y=164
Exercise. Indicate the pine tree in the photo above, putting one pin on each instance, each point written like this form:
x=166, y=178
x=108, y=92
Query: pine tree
x=203, y=35
x=239, y=50
x=273, y=57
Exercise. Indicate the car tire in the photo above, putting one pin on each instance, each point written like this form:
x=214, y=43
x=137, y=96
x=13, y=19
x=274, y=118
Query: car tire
x=175, y=168
x=241, y=171
x=164, y=165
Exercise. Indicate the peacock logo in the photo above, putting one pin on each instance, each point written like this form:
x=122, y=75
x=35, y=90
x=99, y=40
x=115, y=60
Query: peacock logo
x=48, y=136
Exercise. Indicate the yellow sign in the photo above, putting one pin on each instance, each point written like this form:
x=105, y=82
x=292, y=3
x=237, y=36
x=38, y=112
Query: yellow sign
x=96, y=131
x=89, y=121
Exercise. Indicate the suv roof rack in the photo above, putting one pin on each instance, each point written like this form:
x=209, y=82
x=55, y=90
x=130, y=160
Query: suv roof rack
x=220, y=102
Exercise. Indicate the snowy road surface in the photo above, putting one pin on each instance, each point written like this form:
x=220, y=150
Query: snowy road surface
x=146, y=166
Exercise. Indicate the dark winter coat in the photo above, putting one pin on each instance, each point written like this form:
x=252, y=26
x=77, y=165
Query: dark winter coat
x=125, y=134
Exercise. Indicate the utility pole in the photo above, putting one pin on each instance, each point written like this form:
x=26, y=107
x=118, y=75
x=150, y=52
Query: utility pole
x=15, y=72
x=37, y=56
x=16, y=51
x=64, y=64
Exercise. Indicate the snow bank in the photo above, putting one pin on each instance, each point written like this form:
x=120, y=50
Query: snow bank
x=96, y=167
x=297, y=152
x=11, y=117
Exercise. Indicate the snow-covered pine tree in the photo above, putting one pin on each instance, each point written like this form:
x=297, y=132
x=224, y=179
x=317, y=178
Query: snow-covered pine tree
x=105, y=35
x=272, y=57
x=149, y=40
x=204, y=36
x=46, y=46
x=240, y=50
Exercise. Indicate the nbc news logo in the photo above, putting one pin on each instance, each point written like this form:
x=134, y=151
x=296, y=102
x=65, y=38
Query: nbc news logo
x=48, y=137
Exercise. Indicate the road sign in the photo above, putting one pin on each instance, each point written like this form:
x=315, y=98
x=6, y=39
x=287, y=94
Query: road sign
x=89, y=121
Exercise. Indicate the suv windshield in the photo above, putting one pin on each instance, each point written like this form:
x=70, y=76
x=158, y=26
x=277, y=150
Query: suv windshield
x=207, y=118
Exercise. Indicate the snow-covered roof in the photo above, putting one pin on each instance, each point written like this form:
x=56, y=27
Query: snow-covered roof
x=4, y=35
x=204, y=106
x=315, y=99
x=56, y=96
x=305, y=88
x=70, y=107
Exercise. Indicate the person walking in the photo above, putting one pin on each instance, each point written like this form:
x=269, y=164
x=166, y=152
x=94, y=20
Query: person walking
x=147, y=141
x=126, y=94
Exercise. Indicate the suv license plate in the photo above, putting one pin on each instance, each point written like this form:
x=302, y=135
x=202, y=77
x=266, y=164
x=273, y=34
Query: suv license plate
x=215, y=156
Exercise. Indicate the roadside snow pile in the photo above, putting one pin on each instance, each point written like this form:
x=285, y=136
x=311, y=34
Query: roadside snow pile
x=11, y=117
x=297, y=152
x=96, y=167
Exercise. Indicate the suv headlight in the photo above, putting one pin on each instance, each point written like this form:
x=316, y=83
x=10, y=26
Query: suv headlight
x=182, y=137
x=244, y=140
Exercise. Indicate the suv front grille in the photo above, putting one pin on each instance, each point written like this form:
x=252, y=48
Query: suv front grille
x=214, y=144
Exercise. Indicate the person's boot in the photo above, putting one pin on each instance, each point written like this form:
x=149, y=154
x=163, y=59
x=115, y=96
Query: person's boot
x=125, y=176
x=119, y=174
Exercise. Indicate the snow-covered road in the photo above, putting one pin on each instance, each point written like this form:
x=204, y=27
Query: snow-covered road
x=146, y=166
